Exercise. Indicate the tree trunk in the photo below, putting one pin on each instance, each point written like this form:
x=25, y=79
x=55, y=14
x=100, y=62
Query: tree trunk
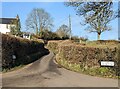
x=40, y=30
x=36, y=31
x=98, y=36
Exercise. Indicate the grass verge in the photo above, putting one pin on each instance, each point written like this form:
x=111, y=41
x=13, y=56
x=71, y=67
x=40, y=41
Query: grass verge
x=105, y=72
x=12, y=69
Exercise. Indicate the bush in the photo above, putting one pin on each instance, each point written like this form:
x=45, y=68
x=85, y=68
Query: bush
x=21, y=48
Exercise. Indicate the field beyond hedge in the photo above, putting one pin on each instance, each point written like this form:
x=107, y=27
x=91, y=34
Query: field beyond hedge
x=85, y=56
x=18, y=51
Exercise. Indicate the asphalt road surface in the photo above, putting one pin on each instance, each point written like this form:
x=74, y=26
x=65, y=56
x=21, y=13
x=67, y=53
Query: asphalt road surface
x=45, y=73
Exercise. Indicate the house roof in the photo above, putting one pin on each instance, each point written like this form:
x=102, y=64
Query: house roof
x=6, y=20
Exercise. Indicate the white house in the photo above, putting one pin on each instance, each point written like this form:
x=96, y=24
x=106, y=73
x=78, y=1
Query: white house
x=27, y=35
x=5, y=24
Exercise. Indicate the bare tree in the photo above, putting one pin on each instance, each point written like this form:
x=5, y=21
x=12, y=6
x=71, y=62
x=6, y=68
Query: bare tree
x=38, y=20
x=63, y=31
x=97, y=14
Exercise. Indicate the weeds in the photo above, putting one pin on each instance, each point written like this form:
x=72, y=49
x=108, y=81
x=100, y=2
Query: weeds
x=94, y=71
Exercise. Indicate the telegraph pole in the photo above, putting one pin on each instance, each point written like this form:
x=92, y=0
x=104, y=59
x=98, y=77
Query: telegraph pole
x=70, y=26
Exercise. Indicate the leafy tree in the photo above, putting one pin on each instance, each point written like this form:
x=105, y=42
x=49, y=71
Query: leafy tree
x=97, y=14
x=38, y=20
x=15, y=26
x=63, y=31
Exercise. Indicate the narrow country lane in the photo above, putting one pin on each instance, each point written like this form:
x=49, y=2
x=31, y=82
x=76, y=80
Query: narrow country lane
x=45, y=73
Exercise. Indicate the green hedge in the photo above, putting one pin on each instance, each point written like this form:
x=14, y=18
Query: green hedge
x=21, y=48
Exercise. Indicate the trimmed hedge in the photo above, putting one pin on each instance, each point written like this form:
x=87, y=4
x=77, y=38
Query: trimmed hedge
x=84, y=54
x=22, y=49
x=86, y=57
x=53, y=46
x=89, y=56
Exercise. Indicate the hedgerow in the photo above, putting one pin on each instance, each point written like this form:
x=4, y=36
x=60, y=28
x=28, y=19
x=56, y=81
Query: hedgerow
x=87, y=56
x=21, y=49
